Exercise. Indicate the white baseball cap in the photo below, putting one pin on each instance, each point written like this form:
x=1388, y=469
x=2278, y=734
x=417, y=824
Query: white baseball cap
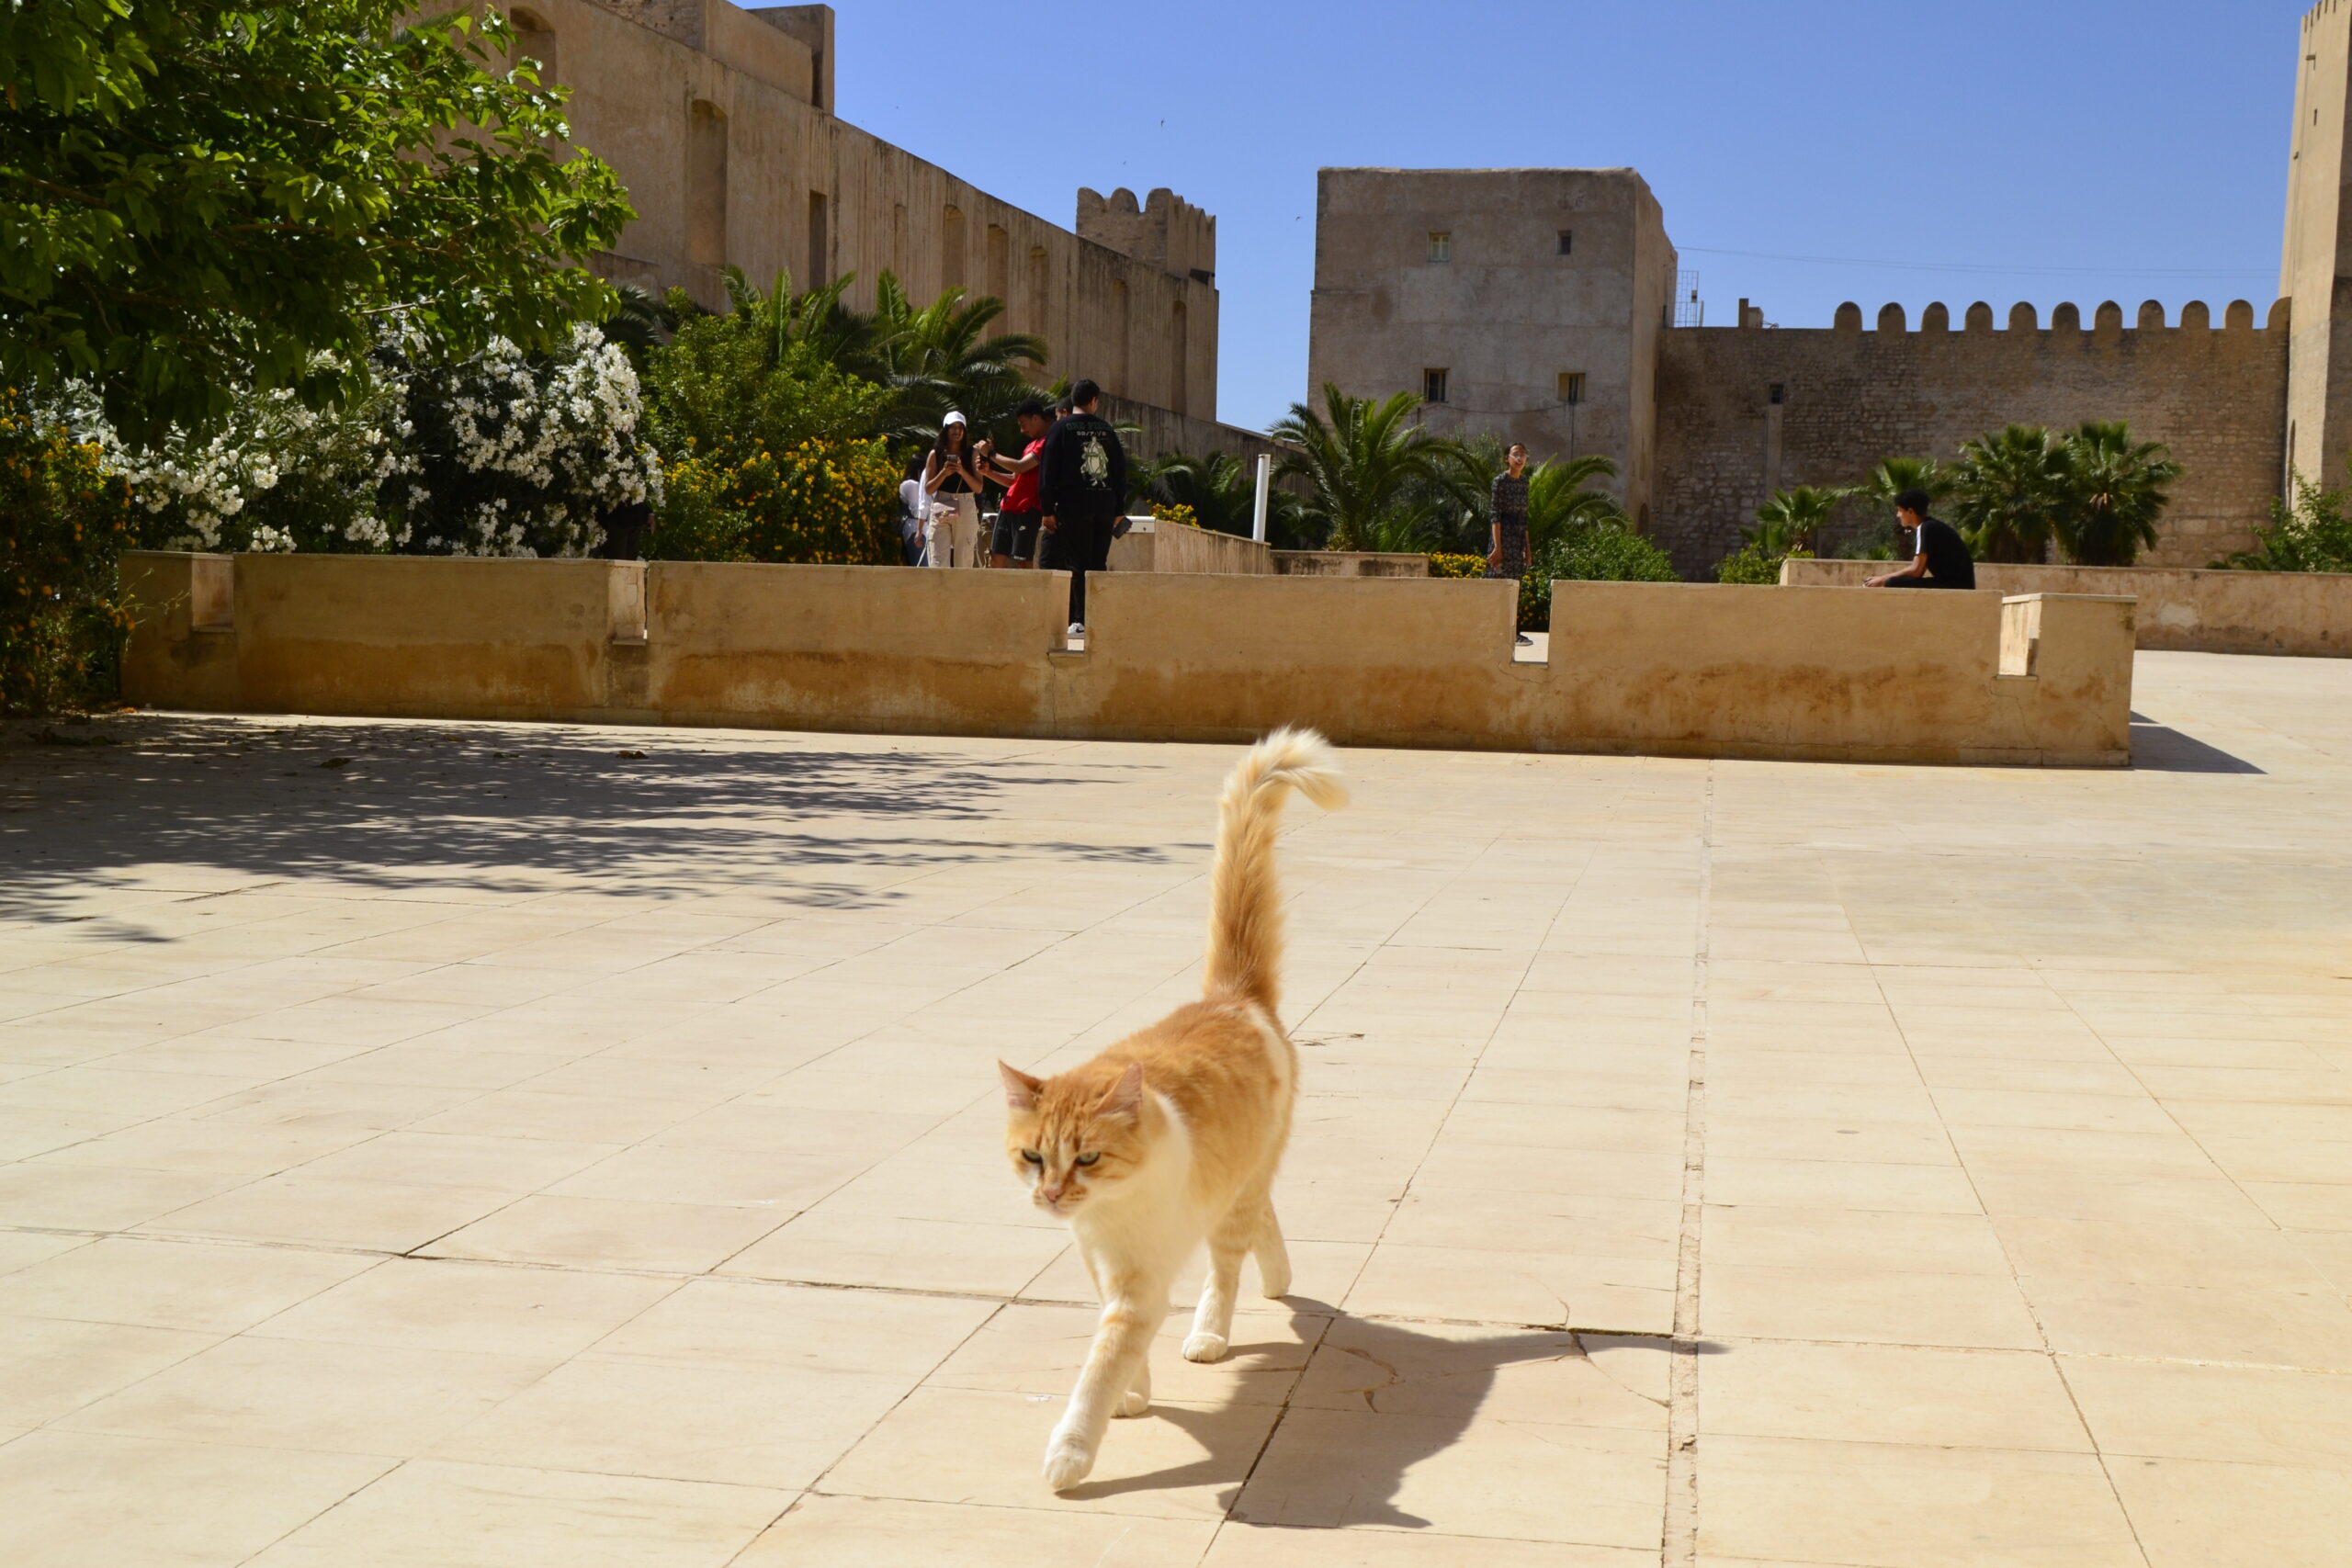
x=953, y=418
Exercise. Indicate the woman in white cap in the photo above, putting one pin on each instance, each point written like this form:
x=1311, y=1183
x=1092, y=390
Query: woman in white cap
x=951, y=479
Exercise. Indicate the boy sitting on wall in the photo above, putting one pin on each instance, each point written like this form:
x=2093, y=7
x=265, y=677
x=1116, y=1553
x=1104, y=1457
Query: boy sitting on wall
x=1939, y=556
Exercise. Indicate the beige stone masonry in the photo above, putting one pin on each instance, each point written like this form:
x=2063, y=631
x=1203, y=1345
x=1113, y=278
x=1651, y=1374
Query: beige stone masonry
x=2305, y=613
x=1664, y=668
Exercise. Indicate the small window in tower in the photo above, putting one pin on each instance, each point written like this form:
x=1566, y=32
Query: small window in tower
x=1779, y=393
x=1432, y=385
x=1441, y=244
x=1568, y=242
x=1571, y=386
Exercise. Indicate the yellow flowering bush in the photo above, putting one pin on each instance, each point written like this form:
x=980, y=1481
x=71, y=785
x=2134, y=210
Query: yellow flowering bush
x=64, y=519
x=1175, y=512
x=1444, y=565
x=822, y=502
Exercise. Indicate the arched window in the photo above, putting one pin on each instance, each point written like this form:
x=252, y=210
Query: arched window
x=1040, y=288
x=1120, y=336
x=999, y=263
x=706, y=184
x=951, y=248
x=820, y=252
x=534, y=40
x=1179, y=332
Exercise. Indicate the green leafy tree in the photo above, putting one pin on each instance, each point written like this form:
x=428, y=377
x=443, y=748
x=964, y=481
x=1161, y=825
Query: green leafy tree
x=728, y=385
x=1605, y=550
x=199, y=197
x=2008, y=491
x=2116, y=488
x=2313, y=535
x=1359, y=458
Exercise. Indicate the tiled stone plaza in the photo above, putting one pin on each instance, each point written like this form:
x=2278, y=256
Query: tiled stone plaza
x=500, y=1149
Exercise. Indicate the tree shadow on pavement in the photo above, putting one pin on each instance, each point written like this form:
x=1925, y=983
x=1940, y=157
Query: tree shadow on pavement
x=518, y=809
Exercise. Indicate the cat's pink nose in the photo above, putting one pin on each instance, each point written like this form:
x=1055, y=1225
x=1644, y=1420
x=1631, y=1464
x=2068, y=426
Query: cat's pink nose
x=1050, y=1194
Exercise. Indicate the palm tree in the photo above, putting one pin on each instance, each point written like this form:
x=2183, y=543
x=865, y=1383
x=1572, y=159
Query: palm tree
x=1793, y=518
x=1358, y=457
x=1221, y=489
x=641, y=322
x=942, y=356
x=1890, y=479
x=2007, y=491
x=2116, y=488
x=1560, y=498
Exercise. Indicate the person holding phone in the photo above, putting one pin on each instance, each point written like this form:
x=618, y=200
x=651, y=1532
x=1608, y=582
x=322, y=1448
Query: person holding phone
x=951, y=480
x=1015, y=539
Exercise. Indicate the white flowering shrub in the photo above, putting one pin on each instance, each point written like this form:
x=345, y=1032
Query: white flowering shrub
x=502, y=455
x=518, y=455
x=279, y=477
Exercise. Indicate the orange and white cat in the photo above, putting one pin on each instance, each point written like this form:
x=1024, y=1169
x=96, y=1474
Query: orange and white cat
x=1170, y=1137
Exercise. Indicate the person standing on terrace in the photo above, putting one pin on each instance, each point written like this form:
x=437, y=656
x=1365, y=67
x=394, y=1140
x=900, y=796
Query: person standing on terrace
x=1939, y=556
x=1507, y=551
x=1082, y=488
x=953, y=486
x=1015, y=539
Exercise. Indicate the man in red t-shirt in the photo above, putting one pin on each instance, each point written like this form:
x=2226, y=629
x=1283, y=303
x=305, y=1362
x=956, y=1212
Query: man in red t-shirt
x=1015, y=542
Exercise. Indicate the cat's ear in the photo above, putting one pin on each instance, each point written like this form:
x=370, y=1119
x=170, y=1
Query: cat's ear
x=1020, y=1089
x=1127, y=1096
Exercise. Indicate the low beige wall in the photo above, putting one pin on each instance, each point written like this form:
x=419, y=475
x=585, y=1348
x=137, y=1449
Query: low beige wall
x=1350, y=563
x=1152, y=546
x=2305, y=613
x=1669, y=669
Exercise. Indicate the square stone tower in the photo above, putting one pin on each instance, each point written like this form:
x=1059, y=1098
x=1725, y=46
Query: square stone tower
x=1523, y=302
x=2315, y=262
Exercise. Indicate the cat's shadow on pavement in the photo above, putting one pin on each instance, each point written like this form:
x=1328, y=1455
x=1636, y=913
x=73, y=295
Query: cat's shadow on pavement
x=1378, y=1397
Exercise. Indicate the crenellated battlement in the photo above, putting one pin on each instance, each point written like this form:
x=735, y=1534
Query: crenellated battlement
x=1164, y=230
x=2195, y=317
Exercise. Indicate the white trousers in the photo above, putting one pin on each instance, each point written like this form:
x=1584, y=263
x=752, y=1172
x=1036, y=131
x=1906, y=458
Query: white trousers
x=952, y=534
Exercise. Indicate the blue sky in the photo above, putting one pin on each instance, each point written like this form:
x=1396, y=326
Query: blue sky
x=2081, y=149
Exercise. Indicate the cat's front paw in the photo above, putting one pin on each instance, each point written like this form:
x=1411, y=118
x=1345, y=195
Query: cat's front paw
x=1135, y=1402
x=1067, y=1460
x=1205, y=1347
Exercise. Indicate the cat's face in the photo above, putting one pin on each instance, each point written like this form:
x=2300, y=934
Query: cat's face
x=1072, y=1144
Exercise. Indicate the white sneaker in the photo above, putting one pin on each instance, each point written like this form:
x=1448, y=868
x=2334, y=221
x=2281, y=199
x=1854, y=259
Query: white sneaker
x=1077, y=628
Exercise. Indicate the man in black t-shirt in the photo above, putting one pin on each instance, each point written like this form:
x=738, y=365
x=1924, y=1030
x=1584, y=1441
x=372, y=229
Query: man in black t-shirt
x=1083, y=490
x=1939, y=556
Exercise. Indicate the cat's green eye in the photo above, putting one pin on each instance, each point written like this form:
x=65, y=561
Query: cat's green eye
x=1088, y=1159
x=1033, y=1156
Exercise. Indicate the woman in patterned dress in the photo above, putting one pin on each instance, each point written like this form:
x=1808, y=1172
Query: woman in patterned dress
x=1507, y=557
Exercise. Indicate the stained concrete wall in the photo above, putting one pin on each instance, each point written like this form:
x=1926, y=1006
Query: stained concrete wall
x=2306, y=613
x=1150, y=545
x=1666, y=668
x=1506, y=315
x=2212, y=393
x=745, y=165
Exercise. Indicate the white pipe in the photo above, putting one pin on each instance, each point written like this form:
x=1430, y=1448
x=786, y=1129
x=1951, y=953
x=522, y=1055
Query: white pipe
x=1258, y=514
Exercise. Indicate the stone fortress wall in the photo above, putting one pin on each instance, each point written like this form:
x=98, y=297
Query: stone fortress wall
x=1743, y=411
x=1689, y=413
x=1502, y=280
x=720, y=123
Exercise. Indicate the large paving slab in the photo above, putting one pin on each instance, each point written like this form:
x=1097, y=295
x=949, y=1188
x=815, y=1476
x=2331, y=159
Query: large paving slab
x=483, y=1145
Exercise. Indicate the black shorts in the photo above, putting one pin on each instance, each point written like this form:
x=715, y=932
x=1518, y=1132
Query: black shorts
x=1926, y=582
x=1015, y=535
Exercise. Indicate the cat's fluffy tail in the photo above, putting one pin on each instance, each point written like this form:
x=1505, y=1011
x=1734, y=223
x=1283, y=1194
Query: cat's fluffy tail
x=1245, y=906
